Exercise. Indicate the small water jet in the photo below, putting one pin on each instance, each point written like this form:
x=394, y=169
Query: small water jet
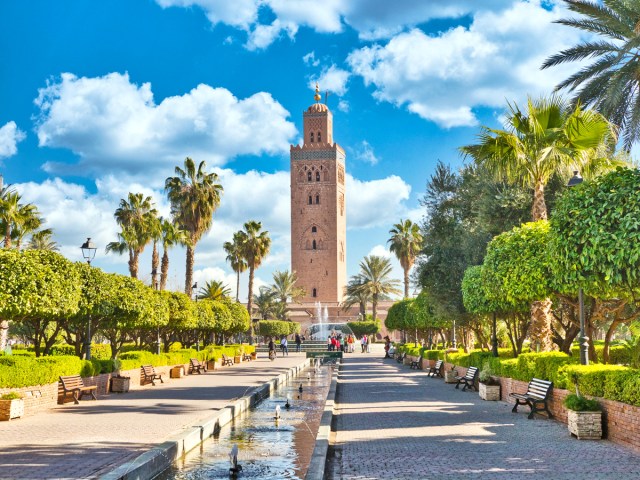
x=277, y=417
x=233, y=458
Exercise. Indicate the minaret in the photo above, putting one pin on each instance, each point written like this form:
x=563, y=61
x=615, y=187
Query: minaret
x=318, y=212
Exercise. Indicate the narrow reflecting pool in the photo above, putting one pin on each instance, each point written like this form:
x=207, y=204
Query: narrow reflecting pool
x=268, y=448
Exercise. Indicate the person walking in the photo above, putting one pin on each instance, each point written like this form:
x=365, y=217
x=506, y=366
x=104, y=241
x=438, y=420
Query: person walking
x=283, y=346
x=298, y=342
x=369, y=340
x=363, y=343
x=329, y=343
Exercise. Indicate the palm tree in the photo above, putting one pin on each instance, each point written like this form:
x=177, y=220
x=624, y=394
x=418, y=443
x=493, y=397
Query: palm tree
x=549, y=138
x=42, y=240
x=16, y=219
x=171, y=236
x=233, y=250
x=255, y=246
x=610, y=83
x=355, y=295
x=374, y=274
x=194, y=196
x=406, y=243
x=284, y=286
x=135, y=215
x=28, y=220
x=265, y=302
x=155, y=232
x=214, y=290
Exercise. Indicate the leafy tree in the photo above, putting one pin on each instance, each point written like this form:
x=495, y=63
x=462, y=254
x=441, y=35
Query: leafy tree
x=154, y=229
x=405, y=243
x=182, y=318
x=610, y=83
x=214, y=290
x=374, y=272
x=364, y=328
x=172, y=235
x=240, y=320
x=277, y=328
x=194, y=196
x=255, y=247
x=136, y=217
x=236, y=259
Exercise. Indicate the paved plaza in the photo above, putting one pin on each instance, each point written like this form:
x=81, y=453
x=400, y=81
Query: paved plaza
x=87, y=440
x=397, y=423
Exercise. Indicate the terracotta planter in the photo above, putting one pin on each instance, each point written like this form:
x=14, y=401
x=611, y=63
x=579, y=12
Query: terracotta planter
x=489, y=392
x=120, y=384
x=11, y=409
x=254, y=355
x=450, y=376
x=177, y=372
x=211, y=365
x=237, y=359
x=585, y=425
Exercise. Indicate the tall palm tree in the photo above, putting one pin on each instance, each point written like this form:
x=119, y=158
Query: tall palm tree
x=155, y=233
x=233, y=250
x=135, y=215
x=194, y=196
x=172, y=235
x=255, y=247
x=214, y=290
x=610, y=83
x=374, y=274
x=406, y=243
x=27, y=221
x=42, y=240
x=265, y=302
x=284, y=286
x=355, y=295
x=550, y=137
x=16, y=219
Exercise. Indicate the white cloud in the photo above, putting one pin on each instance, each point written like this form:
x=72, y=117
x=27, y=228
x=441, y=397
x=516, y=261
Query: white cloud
x=310, y=59
x=377, y=202
x=344, y=106
x=333, y=79
x=114, y=126
x=380, y=251
x=264, y=35
x=10, y=136
x=237, y=13
x=444, y=77
x=365, y=152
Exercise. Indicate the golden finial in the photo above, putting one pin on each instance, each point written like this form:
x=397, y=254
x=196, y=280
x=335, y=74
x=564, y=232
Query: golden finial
x=317, y=95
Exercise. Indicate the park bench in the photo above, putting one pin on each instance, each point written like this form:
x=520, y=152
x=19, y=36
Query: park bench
x=149, y=375
x=196, y=366
x=469, y=379
x=246, y=357
x=415, y=364
x=73, y=384
x=537, y=394
x=226, y=361
x=436, y=370
x=400, y=357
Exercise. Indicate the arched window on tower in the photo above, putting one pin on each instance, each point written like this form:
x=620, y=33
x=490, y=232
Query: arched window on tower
x=310, y=200
x=309, y=178
x=319, y=137
x=317, y=176
x=314, y=229
x=313, y=245
x=311, y=139
x=314, y=293
x=317, y=199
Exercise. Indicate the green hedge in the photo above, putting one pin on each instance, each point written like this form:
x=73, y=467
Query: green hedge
x=23, y=371
x=618, y=354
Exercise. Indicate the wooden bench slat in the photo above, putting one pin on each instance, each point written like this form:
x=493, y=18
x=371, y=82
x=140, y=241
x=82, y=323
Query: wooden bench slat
x=75, y=385
x=537, y=393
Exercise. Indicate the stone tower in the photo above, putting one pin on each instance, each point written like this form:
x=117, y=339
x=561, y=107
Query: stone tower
x=318, y=211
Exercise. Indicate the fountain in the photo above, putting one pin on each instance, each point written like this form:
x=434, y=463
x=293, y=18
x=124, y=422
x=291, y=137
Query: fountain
x=277, y=417
x=233, y=458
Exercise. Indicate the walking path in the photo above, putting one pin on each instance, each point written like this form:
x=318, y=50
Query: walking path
x=397, y=423
x=90, y=439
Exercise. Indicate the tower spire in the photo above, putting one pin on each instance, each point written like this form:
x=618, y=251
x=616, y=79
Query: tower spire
x=317, y=96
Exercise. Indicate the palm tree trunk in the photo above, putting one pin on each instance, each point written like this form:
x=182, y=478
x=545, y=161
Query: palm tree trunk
x=133, y=267
x=238, y=286
x=188, y=276
x=7, y=235
x=155, y=260
x=374, y=307
x=406, y=283
x=250, y=303
x=164, y=269
x=539, y=206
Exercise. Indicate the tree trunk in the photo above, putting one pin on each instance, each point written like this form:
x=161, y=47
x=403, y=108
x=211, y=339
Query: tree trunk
x=374, y=307
x=250, y=302
x=188, y=275
x=539, y=206
x=406, y=283
x=607, y=339
x=7, y=235
x=4, y=334
x=238, y=286
x=164, y=269
x=133, y=268
x=155, y=260
x=540, y=330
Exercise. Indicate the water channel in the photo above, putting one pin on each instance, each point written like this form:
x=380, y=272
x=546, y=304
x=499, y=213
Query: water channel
x=268, y=449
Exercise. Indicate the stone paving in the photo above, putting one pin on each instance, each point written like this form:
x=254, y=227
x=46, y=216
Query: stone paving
x=397, y=423
x=90, y=439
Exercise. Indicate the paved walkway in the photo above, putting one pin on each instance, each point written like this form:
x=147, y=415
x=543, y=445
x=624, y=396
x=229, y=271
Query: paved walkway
x=397, y=423
x=86, y=440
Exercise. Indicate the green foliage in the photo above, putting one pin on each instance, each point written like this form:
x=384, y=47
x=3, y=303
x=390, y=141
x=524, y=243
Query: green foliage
x=277, y=328
x=11, y=396
x=474, y=293
x=597, y=236
x=581, y=404
x=364, y=328
x=21, y=371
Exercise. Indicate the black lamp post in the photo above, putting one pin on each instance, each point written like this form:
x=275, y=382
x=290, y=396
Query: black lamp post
x=453, y=334
x=154, y=285
x=88, y=253
x=195, y=294
x=583, y=340
x=494, y=340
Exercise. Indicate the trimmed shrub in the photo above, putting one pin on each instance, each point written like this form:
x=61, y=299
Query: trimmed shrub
x=23, y=371
x=581, y=404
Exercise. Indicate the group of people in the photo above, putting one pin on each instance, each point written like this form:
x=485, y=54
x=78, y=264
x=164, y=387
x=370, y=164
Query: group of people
x=284, y=344
x=346, y=343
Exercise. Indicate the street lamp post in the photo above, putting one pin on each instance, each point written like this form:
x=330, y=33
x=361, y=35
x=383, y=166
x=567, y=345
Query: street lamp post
x=88, y=253
x=453, y=335
x=494, y=340
x=154, y=274
x=195, y=294
x=584, y=340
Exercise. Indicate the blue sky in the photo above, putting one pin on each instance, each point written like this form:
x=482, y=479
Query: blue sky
x=98, y=99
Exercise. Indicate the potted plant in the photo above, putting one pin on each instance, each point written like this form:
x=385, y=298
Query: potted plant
x=584, y=417
x=211, y=363
x=238, y=356
x=11, y=406
x=119, y=382
x=450, y=375
x=489, y=386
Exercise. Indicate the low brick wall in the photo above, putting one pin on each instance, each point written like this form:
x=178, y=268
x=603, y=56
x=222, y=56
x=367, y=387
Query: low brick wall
x=620, y=422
